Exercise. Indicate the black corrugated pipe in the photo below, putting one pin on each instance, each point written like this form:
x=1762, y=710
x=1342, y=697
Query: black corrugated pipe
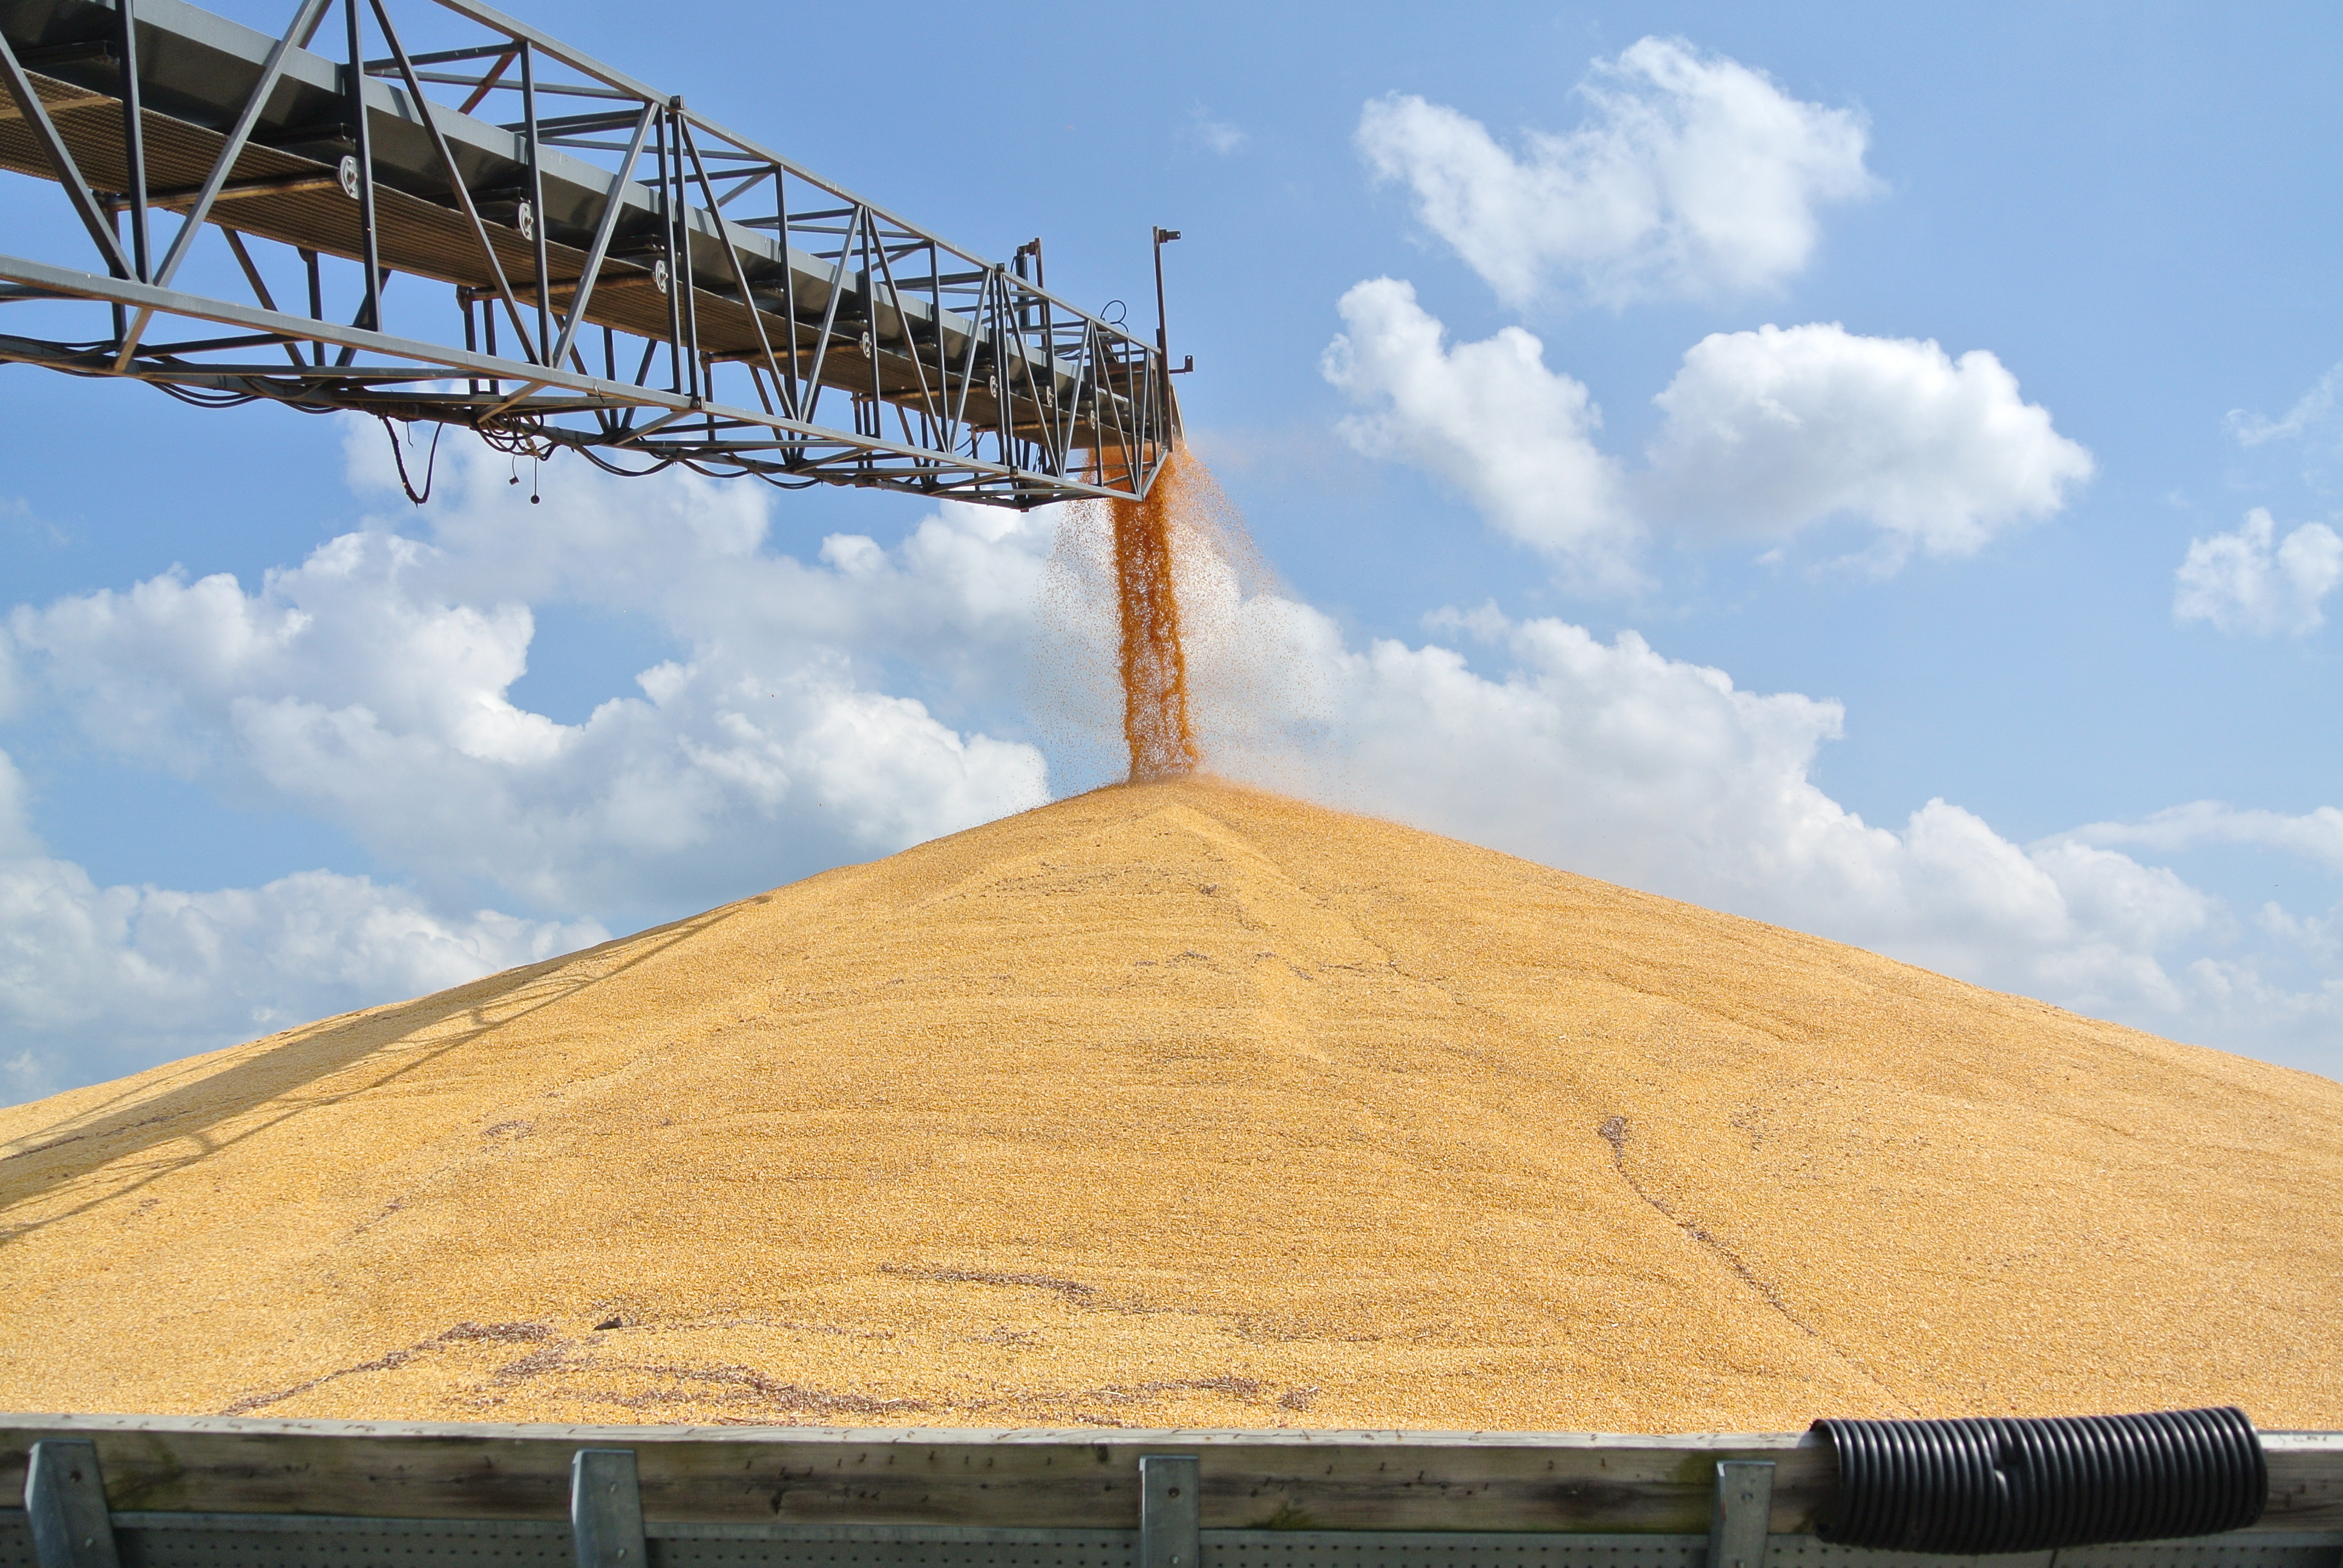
x=1976, y=1486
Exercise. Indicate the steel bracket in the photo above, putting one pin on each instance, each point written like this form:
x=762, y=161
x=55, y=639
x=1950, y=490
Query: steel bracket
x=1744, y=1502
x=64, y=1503
x=1170, y=1517
x=605, y=1509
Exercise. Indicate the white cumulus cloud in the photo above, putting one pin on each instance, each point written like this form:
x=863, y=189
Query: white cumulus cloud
x=371, y=686
x=1766, y=434
x=97, y=980
x=2316, y=835
x=1692, y=176
x=1772, y=430
x=1611, y=759
x=368, y=687
x=2252, y=581
x=1492, y=419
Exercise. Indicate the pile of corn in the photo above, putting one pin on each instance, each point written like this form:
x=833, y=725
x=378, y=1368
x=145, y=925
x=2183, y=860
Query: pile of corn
x=1182, y=1104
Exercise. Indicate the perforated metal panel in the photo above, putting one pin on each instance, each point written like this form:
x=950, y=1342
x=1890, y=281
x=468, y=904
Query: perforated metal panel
x=1805, y=1552
x=2271, y=1550
x=2258, y=1551
x=16, y=1539
x=1394, y=1549
x=292, y=1540
x=887, y=1547
x=282, y=1541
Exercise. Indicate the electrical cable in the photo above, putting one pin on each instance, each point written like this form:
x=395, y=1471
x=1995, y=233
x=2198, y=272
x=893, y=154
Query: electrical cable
x=431, y=466
x=608, y=467
x=205, y=398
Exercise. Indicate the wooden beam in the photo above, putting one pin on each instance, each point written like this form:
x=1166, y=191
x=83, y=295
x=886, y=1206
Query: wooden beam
x=1322, y=1480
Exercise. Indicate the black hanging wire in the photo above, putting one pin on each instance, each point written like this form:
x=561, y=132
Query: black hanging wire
x=205, y=398
x=431, y=466
x=608, y=467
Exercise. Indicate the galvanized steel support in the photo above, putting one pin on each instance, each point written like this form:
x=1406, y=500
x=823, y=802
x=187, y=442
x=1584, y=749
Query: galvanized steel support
x=605, y=1509
x=1170, y=1512
x=64, y=1504
x=1744, y=1506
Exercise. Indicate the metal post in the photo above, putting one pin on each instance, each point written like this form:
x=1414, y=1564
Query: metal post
x=997, y=280
x=605, y=1509
x=1169, y=1515
x=666, y=249
x=792, y=405
x=361, y=135
x=1163, y=237
x=1737, y=1525
x=1163, y=336
x=133, y=138
x=471, y=332
x=680, y=274
x=872, y=243
x=536, y=199
x=316, y=302
x=1032, y=248
x=64, y=1503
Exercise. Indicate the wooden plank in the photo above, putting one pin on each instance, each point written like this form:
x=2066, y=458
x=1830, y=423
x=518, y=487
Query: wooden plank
x=1034, y=1479
x=2306, y=1480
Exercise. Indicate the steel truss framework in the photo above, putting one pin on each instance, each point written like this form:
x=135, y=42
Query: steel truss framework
x=629, y=279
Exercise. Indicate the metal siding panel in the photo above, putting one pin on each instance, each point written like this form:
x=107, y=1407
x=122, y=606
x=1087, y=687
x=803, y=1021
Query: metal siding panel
x=247, y=1541
x=218, y=1541
x=1413, y=1549
x=2212, y=1551
x=16, y=1539
x=1044, y=1549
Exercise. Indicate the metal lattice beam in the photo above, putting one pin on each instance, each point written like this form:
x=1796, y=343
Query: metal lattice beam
x=739, y=304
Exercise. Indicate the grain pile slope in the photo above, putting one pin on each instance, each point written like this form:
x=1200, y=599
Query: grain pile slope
x=1184, y=1104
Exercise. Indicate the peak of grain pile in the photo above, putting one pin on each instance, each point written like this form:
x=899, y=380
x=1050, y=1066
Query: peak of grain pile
x=1181, y=1104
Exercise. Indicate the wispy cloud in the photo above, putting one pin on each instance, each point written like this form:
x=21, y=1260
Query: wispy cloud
x=2252, y=581
x=2313, y=412
x=2316, y=835
x=1222, y=137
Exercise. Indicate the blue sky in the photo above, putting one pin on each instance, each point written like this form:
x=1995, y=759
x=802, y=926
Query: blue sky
x=2030, y=588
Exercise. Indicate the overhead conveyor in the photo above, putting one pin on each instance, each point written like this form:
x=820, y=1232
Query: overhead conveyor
x=500, y=232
